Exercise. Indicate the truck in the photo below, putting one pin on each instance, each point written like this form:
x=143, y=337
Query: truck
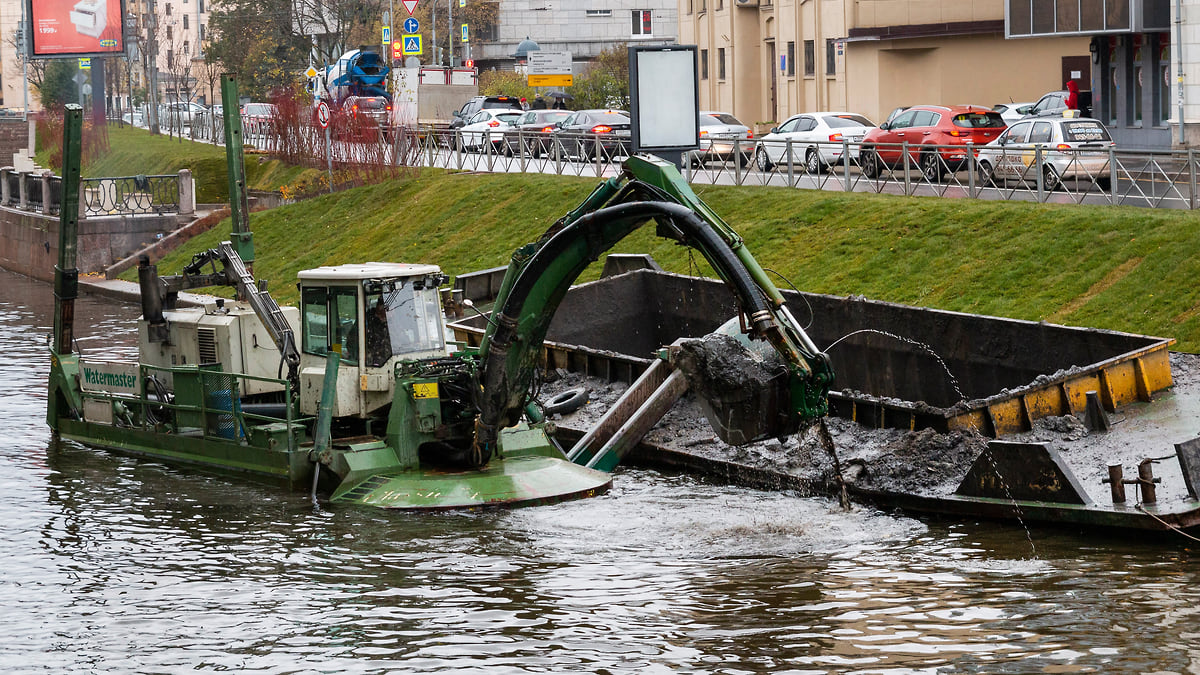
x=355, y=86
x=427, y=97
x=359, y=394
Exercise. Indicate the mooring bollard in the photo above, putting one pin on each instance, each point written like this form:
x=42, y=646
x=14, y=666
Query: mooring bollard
x=1145, y=482
x=1116, y=483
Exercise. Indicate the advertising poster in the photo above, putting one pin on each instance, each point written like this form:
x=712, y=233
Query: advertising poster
x=73, y=28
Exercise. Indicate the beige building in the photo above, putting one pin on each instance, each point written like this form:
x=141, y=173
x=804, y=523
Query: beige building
x=764, y=60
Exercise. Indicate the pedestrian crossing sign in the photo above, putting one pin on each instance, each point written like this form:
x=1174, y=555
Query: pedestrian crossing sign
x=412, y=44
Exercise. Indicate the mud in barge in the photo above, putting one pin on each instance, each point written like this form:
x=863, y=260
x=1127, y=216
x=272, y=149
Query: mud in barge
x=933, y=411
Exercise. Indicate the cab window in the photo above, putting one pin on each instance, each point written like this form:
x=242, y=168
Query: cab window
x=331, y=317
x=1041, y=133
x=1017, y=133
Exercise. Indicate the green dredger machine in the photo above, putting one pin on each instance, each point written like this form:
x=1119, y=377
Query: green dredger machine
x=313, y=396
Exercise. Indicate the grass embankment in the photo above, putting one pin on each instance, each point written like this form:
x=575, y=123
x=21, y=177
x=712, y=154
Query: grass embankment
x=1109, y=267
x=135, y=151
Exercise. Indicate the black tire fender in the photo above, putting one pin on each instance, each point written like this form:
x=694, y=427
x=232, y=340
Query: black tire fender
x=567, y=401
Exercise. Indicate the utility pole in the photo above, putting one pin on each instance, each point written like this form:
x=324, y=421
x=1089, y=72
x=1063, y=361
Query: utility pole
x=433, y=48
x=23, y=39
x=152, y=67
x=450, y=33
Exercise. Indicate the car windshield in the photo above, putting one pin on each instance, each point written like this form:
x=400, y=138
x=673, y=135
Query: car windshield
x=716, y=119
x=1078, y=132
x=988, y=120
x=258, y=109
x=841, y=121
x=551, y=118
x=371, y=103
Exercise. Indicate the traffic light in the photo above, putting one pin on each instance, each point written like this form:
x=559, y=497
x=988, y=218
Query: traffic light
x=397, y=50
x=469, y=63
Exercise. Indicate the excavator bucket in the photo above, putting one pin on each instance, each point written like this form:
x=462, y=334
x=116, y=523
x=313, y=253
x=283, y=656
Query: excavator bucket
x=745, y=393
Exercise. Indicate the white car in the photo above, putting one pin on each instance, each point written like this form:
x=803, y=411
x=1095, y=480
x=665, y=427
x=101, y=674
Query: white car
x=722, y=137
x=817, y=140
x=1013, y=112
x=486, y=126
x=1071, y=147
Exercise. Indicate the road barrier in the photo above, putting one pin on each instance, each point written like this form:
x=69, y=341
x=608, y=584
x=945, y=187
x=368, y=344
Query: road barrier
x=1100, y=176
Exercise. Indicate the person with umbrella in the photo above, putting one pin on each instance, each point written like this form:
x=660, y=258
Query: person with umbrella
x=560, y=98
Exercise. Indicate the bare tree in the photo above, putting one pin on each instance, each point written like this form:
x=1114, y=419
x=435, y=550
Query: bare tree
x=37, y=67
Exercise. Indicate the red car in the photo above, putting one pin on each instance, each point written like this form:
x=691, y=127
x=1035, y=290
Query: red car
x=928, y=130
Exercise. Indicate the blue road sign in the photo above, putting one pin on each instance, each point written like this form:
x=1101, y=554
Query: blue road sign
x=412, y=45
x=411, y=25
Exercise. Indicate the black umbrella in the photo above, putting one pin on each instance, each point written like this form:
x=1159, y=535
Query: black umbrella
x=559, y=94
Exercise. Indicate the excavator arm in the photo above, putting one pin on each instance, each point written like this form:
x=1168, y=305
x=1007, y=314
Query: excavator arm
x=540, y=274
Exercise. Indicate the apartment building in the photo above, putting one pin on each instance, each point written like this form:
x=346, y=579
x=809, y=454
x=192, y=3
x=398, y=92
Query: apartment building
x=764, y=60
x=582, y=27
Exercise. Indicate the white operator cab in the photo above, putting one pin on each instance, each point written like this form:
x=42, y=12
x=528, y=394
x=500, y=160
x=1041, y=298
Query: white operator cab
x=380, y=313
x=90, y=17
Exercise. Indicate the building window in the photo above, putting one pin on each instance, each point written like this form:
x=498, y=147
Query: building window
x=1133, y=85
x=704, y=64
x=201, y=6
x=791, y=59
x=185, y=21
x=641, y=22
x=170, y=59
x=598, y=12
x=1162, y=83
x=689, y=7
x=720, y=63
x=170, y=32
x=830, y=57
x=720, y=5
x=810, y=58
x=168, y=9
x=187, y=48
x=202, y=32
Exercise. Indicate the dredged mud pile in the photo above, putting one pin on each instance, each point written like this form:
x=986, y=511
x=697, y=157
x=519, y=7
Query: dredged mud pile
x=923, y=463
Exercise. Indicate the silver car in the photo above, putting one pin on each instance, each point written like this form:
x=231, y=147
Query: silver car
x=1071, y=147
x=817, y=139
x=722, y=137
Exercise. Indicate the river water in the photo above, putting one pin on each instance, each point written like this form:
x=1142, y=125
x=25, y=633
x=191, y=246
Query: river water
x=112, y=565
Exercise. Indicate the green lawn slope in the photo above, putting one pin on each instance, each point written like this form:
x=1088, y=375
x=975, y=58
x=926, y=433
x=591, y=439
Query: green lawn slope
x=134, y=151
x=1109, y=267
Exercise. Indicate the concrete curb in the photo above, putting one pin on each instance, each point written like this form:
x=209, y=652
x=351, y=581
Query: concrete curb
x=129, y=292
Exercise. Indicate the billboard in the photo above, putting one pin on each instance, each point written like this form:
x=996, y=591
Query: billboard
x=75, y=28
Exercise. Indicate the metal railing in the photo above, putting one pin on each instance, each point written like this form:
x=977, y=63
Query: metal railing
x=41, y=192
x=191, y=401
x=1107, y=175
x=129, y=195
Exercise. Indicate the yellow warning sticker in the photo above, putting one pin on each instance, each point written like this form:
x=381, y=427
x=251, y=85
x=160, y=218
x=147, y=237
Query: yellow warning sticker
x=425, y=390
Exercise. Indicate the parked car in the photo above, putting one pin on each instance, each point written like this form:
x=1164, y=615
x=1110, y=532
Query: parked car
x=485, y=126
x=532, y=131
x=936, y=135
x=257, y=118
x=1074, y=147
x=181, y=112
x=585, y=130
x=816, y=140
x=478, y=103
x=722, y=137
x=375, y=108
x=1011, y=112
x=1052, y=104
